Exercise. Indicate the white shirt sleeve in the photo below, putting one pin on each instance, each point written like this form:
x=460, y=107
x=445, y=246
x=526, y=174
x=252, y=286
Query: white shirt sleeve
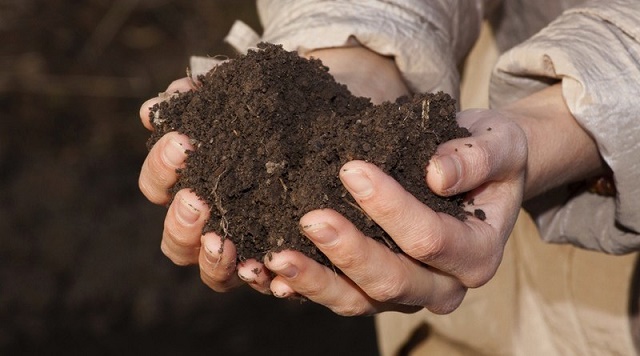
x=428, y=39
x=594, y=50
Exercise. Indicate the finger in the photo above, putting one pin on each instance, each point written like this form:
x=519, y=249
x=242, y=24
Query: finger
x=158, y=172
x=497, y=150
x=180, y=85
x=183, y=225
x=383, y=278
x=217, y=263
x=465, y=250
x=297, y=274
x=256, y=275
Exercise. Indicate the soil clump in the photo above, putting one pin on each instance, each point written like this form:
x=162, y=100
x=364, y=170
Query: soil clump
x=271, y=131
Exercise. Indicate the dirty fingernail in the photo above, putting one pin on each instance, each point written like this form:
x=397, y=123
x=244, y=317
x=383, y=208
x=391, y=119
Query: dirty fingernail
x=281, y=290
x=212, y=246
x=279, y=294
x=244, y=278
x=321, y=233
x=245, y=274
x=175, y=153
x=449, y=169
x=357, y=182
x=187, y=213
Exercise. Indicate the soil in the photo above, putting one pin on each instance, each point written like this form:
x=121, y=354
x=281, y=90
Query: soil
x=81, y=270
x=271, y=131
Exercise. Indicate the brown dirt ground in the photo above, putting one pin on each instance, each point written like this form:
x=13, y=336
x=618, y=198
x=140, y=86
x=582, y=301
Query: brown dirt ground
x=80, y=266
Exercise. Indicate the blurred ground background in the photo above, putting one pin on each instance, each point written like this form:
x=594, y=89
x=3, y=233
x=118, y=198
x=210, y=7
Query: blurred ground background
x=80, y=266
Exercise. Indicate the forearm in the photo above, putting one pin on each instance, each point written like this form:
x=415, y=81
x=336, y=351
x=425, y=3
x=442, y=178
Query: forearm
x=560, y=150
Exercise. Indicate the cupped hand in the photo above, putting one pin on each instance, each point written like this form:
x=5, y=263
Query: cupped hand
x=443, y=256
x=182, y=238
x=182, y=241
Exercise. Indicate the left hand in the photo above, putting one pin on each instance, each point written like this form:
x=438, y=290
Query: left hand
x=443, y=255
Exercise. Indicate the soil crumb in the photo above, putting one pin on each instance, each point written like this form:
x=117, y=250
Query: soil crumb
x=271, y=131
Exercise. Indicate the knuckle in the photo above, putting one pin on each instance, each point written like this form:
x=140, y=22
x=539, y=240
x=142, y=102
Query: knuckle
x=175, y=258
x=348, y=260
x=388, y=291
x=156, y=173
x=449, y=304
x=480, y=278
x=216, y=283
x=150, y=192
x=179, y=235
x=426, y=248
x=350, y=309
x=447, y=307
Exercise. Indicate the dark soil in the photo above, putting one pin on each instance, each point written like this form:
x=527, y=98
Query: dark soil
x=81, y=271
x=272, y=130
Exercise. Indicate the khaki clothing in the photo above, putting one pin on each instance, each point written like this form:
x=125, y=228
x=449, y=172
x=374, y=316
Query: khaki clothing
x=593, y=47
x=546, y=299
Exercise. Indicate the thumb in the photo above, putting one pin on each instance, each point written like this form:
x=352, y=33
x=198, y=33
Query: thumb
x=464, y=164
x=443, y=174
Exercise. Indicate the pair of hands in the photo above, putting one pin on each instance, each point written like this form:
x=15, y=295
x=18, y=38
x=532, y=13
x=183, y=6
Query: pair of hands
x=443, y=256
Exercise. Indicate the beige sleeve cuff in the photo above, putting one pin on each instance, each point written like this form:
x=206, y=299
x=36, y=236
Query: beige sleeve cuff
x=428, y=39
x=595, y=51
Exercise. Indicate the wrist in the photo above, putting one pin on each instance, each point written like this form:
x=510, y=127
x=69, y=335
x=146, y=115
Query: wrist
x=560, y=150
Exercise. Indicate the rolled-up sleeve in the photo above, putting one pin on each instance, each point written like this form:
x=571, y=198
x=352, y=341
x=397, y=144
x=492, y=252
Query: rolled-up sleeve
x=594, y=50
x=428, y=39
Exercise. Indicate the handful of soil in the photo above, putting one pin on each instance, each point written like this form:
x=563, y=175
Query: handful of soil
x=271, y=131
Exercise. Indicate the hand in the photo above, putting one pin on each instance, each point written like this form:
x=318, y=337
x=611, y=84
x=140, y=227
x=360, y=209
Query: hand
x=182, y=239
x=443, y=256
x=513, y=152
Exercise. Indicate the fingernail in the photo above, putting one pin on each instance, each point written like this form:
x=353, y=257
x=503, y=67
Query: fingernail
x=281, y=290
x=242, y=273
x=449, y=169
x=357, y=182
x=211, y=246
x=286, y=270
x=213, y=253
x=279, y=294
x=175, y=153
x=187, y=213
x=321, y=233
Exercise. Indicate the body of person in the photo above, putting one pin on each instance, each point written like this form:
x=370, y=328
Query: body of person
x=562, y=112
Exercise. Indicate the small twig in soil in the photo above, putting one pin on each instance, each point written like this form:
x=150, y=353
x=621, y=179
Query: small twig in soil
x=357, y=207
x=284, y=186
x=224, y=223
x=426, y=105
